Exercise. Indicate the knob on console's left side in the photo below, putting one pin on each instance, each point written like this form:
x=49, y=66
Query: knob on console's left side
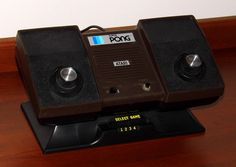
x=66, y=81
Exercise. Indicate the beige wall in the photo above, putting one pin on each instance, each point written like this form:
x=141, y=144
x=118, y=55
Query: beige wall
x=18, y=14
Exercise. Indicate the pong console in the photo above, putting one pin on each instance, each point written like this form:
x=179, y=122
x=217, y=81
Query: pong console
x=106, y=87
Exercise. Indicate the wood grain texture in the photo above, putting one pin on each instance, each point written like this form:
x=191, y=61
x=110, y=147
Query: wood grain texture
x=7, y=55
x=220, y=32
x=215, y=148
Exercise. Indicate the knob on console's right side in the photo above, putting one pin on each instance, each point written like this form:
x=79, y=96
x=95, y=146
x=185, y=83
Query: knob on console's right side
x=183, y=60
x=190, y=67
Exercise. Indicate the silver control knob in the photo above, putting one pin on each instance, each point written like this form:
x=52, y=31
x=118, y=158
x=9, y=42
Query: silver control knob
x=68, y=74
x=193, y=60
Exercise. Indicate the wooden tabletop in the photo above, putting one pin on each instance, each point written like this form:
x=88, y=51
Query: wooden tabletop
x=216, y=147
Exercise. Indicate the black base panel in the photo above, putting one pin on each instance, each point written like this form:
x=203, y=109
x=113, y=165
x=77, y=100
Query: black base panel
x=112, y=129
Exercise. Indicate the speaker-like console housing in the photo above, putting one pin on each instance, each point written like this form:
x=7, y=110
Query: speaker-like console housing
x=110, y=87
x=169, y=41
